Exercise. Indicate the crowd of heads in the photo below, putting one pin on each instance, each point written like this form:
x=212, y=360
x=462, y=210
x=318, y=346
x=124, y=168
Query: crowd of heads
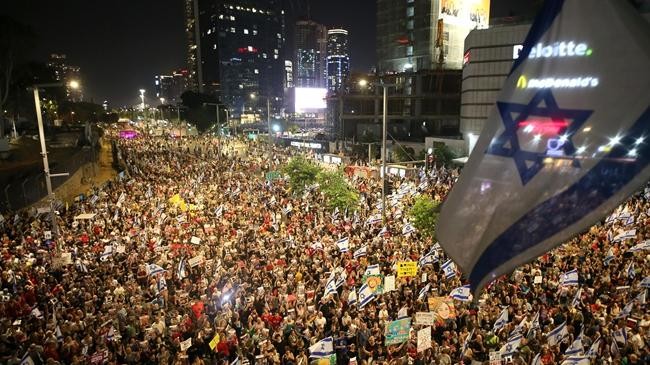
x=193, y=257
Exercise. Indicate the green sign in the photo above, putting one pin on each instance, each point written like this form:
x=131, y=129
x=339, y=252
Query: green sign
x=397, y=331
x=272, y=175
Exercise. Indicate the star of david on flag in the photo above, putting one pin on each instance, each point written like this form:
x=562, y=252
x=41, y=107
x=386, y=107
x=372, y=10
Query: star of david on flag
x=566, y=142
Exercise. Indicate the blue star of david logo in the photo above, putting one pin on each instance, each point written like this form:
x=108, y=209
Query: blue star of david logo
x=543, y=105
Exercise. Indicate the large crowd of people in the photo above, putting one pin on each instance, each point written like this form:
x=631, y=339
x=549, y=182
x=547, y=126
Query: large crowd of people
x=193, y=257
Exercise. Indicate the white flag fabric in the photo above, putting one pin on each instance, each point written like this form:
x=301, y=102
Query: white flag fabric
x=501, y=321
x=575, y=348
x=511, y=346
x=645, y=245
x=154, y=269
x=449, y=268
x=343, y=244
x=645, y=283
x=352, y=298
x=556, y=335
x=550, y=162
x=620, y=335
x=366, y=295
x=363, y=251
x=408, y=229
x=576, y=360
x=569, y=278
x=322, y=348
x=462, y=293
x=372, y=270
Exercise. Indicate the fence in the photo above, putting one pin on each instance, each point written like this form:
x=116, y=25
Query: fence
x=25, y=192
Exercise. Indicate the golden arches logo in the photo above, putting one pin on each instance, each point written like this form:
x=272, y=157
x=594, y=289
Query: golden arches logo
x=522, y=82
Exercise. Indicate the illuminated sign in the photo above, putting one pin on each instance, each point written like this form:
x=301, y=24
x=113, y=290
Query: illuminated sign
x=306, y=144
x=557, y=82
x=554, y=50
x=310, y=99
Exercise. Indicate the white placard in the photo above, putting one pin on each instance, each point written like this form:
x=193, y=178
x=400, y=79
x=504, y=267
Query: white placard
x=538, y=279
x=389, y=283
x=425, y=318
x=47, y=235
x=424, y=339
x=120, y=249
x=424, y=277
x=195, y=240
x=186, y=344
x=66, y=258
x=195, y=261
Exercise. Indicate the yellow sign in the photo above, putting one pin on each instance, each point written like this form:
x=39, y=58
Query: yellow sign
x=407, y=269
x=214, y=342
x=522, y=82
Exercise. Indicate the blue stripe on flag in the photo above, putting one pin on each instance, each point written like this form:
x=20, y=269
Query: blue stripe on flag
x=597, y=186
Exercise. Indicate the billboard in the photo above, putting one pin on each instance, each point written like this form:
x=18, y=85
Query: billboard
x=468, y=13
x=310, y=99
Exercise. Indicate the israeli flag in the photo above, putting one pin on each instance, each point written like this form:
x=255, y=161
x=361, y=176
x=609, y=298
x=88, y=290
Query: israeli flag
x=626, y=311
x=550, y=163
x=376, y=218
x=317, y=246
x=335, y=214
x=154, y=269
x=429, y=258
x=162, y=284
x=181, y=271
x=59, y=334
x=466, y=343
x=557, y=335
x=576, y=360
x=26, y=359
x=593, y=350
x=630, y=270
x=108, y=252
x=620, y=335
x=219, y=211
x=383, y=231
x=625, y=235
x=372, y=270
x=576, y=298
x=366, y=295
x=537, y=360
x=463, y=293
x=286, y=210
x=330, y=287
x=641, y=297
x=629, y=221
x=343, y=244
x=645, y=245
x=501, y=321
x=408, y=229
x=363, y=251
x=511, y=346
x=575, y=348
x=609, y=257
x=449, y=268
x=81, y=266
x=534, y=326
x=423, y=292
x=322, y=348
x=569, y=278
x=645, y=283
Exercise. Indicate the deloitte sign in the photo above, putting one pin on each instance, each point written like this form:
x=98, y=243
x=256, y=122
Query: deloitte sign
x=554, y=50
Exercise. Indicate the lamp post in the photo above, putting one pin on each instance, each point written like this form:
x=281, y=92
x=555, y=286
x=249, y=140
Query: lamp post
x=268, y=112
x=162, y=111
x=142, y=91
x=46, y=164
x=383, y=141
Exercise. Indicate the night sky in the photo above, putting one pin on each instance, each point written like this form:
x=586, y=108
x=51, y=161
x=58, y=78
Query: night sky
x=121, y=44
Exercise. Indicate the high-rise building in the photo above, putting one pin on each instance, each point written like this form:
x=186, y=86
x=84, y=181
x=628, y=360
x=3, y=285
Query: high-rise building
x=288, y=74
x=66, y=73
x=171, y=87
x=310, y=52
x=241, y=53
x=193, y=46
x=411, y=35
x=338, y=59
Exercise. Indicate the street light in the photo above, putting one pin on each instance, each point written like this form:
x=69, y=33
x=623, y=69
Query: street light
x=162, y=112
x=268, y=113
x=385, y=87
x=46, y=164
x=142, y=91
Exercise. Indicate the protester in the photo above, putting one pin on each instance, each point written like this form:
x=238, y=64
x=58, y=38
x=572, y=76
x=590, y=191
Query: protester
x=192, y=257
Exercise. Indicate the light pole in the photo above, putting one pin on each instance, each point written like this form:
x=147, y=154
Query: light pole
x=162, y=112
x=46, y=164
x=142, y=91
x=268, y=113
x=383, y=142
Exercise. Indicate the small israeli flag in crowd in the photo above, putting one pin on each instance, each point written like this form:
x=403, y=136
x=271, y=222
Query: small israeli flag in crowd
x=466, y=343
x=557, y=334
x=108, y=252
x=511, y=346
x=352, y=298
x=620, y=335
x=463, y=293
x=625, y=235
x=286, y=210
x=641, y=298
x=372, y=270
x=609, y=257
x=343, y=244
x=181, y=271
x=569, y=278
x=645, y=245
x=501, y=321
x=449, y=268
x=26, y=359
x=630, y=270
x=423, y=292
x=593, y=350
x=429, y=258
x=576, y=360
x=322, y=348
x=219, y=211
x=383, y=231
x=575, y=348
x=366, y=295
x=408, y=229
x=317, y=246
x=576, y=299
x=363, y=251
x=537, y=360
x=645, y=283
x=373, y=219
x=626, y=311
x=162, y=284
x=154, y=269
x=536, y=158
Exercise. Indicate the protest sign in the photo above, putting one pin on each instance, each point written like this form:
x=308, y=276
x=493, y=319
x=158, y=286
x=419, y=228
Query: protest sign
x=443, y=307
x=397, y=331
x=424, y=339
x=389, y=283
x=195, y=240
x=425, y=318
x=47, y=235
x=195, y=261
x=120, y=249
x=215, y=340
x=407, y=269
x=186, y=344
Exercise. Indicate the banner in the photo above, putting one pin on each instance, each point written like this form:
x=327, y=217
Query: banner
x=195, y=261
x=425, y=318
x=424, y=339
x=407, y=269
x=397, y=331
x=443, y=307
x=389, y=283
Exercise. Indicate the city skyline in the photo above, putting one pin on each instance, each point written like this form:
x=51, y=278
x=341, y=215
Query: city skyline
x=121, y=51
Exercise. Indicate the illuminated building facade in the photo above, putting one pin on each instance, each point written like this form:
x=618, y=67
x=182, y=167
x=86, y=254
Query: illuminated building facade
x=338, y=59
x=242, y=45
x=311, y=50
x=64, y=73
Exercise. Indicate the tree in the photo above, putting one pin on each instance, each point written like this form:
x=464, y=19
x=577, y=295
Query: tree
x=403, y=154
x=203, y=116
x=301, y=173
x=338, y=192
x=424, y=215
x=443, y=155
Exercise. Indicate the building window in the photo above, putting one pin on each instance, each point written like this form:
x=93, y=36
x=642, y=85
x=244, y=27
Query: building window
x=410, y=11
x=409, y=24
x=245, y=31
x=254, y=32
x=209, y=31
x=409, y=51
x=232, y=30
x=232, y=18
x=214, y=46
x=256, y=71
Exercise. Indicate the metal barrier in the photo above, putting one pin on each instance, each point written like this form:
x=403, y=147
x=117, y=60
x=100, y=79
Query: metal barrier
x=31, y=189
